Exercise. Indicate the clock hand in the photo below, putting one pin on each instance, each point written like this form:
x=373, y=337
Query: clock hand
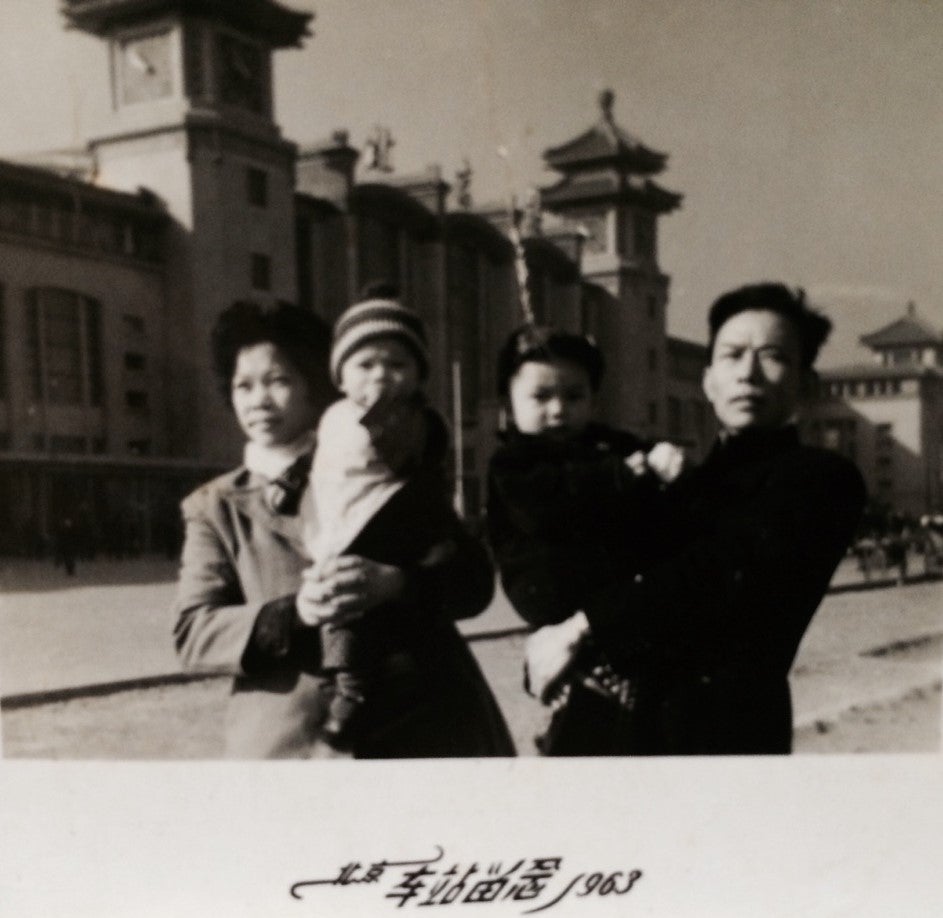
x=140, y=62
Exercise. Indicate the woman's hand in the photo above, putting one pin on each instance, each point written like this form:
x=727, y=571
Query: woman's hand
x=342, y=589
x=549, y=651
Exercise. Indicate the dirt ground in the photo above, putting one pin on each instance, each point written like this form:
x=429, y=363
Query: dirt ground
x=185, y=721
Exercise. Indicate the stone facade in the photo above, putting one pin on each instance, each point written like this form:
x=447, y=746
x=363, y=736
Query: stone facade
x=888, y=415
x=116, y=261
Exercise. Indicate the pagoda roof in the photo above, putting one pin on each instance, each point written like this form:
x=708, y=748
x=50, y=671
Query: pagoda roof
x=908, y=330
x=866, y=371
x=605, y=144
x=279, y=25
x=609, y=185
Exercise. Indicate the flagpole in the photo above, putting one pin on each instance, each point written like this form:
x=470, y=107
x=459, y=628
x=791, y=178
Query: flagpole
x=459, y=443
x=520, y=259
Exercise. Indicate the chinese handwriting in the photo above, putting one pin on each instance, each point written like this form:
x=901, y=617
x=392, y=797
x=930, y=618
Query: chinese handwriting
x=436, y=881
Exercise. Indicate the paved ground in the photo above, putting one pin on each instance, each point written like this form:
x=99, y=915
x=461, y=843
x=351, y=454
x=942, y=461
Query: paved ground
x=867, y=677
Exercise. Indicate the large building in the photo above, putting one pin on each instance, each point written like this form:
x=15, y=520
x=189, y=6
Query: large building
x=116, y=258
x=887, y=415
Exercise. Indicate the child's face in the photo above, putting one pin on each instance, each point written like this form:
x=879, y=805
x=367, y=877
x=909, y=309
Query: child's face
x=382, y=368
x=552, y=398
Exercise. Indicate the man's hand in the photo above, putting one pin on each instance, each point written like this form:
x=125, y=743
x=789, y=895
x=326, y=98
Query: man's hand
x=549, y=651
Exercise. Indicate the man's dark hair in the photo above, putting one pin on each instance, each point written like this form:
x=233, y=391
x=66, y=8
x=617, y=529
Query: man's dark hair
x=544, y=344
x=303, y=336
x=812, y=328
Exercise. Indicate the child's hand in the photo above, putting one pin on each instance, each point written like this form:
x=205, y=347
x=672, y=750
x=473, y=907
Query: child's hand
x=636, y=463
x=666, y=460
x=397, y=430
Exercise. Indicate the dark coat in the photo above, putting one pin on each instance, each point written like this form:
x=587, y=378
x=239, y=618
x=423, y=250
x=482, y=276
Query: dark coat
x=234, y=613
x=562, y=517
x=749, y=544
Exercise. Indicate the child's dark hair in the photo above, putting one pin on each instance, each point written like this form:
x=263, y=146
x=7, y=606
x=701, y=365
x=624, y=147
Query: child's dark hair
x=544, y=344
x=303, y=336
x=812, y=328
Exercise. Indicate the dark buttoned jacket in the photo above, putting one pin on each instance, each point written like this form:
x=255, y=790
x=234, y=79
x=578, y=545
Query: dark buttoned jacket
x=564, y=516
x=745, y=552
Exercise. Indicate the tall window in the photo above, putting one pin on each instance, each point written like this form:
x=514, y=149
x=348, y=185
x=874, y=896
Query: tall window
x=260, y=269
x=378, y=251
x=464, y=308
x=63, y=346
x=675, y=420
x=643, y=234
x=257, y=186
x=3, y=347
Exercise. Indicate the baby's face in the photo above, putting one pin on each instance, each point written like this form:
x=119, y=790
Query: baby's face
x=382, y=368
x=553, y=398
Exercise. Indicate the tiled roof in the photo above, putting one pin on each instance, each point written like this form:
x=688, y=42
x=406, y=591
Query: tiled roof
x=605, y=143
x=607, y=186
x=908, y=330
x=866, y=371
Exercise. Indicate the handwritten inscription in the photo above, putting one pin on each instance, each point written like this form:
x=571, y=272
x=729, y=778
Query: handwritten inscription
x=439, y=881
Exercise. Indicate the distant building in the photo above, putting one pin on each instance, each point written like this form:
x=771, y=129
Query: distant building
x=115, y=260
x=888, y=415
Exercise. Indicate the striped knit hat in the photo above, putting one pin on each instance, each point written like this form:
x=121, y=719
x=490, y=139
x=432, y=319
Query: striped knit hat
x=378, y=317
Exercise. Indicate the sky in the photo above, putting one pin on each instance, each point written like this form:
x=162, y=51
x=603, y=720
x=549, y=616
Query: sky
x=805, y=135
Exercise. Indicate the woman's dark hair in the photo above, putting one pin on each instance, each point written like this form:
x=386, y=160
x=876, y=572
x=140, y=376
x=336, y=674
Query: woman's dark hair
x=304, y=338
x=544, y=344
x=812, y=328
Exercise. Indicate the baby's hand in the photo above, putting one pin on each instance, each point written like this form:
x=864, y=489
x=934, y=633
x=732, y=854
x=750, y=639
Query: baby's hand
x=636, y=463
x=397, y=428
x=666, y=460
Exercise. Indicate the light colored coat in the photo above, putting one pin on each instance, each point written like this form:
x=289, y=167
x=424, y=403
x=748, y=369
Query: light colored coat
x=431, y=700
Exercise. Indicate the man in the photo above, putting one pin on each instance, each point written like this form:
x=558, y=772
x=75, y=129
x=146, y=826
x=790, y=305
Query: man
x=743, y=557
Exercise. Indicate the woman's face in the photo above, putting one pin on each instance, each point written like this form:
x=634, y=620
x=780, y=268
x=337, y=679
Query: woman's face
x=270, y=397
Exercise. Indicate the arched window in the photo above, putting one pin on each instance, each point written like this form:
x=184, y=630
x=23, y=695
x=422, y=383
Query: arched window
x=64, y=356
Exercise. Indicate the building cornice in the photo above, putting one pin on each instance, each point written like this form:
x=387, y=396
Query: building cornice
x=279, y=25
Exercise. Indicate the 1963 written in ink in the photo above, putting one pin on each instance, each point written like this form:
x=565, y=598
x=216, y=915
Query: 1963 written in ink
x=439, y=881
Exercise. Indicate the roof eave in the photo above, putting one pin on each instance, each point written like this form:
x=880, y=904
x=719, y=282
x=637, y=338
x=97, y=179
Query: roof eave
x=280, y=26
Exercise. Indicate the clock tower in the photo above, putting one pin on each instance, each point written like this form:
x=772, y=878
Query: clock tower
x=192, y=121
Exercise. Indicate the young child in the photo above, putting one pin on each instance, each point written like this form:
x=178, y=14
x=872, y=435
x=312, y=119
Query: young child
x=568, y=503
x=377, y=477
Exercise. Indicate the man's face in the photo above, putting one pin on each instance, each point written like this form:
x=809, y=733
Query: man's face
x=755, y=377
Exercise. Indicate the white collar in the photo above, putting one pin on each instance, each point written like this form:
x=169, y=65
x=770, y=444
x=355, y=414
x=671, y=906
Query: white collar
x=271, y=461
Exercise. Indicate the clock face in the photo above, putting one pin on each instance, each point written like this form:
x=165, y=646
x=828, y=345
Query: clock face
x=144, y=68
x=241, y=73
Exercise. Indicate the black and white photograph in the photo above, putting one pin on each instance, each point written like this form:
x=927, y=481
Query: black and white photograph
x=531, y=411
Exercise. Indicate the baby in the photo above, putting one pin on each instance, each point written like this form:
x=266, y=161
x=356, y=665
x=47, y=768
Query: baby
x=569, y=499
x=376, y=479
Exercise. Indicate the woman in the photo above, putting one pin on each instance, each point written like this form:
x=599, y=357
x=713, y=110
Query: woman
x=251, y=602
